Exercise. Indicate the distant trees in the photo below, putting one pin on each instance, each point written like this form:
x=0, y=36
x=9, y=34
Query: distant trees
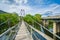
x=37, y=17
x=30, y=19
x=8, y=16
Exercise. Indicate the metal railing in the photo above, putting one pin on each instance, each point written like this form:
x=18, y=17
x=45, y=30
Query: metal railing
x=52, y=35
x=31, y=31
x=36, y=34
x=11, y=32
x=4, y=26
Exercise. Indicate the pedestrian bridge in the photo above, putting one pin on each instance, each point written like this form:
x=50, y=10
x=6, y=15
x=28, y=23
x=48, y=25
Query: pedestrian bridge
x=24, y=31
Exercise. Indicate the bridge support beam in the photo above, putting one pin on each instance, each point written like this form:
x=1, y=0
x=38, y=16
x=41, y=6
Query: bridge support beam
x=56, y=27
x=46, y=23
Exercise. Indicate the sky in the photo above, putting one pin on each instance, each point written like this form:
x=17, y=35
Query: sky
x=44, y=7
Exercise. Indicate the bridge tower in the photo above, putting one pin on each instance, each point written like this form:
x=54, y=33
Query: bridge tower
x=22, y=13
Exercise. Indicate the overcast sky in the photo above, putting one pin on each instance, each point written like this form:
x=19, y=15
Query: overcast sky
x=31, y=6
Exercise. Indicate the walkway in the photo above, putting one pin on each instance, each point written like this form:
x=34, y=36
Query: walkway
x=23, y=33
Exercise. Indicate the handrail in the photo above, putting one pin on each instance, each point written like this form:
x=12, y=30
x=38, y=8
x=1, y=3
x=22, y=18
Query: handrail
x=31, y=32
x=11, y=33
x=8, y=30
x=45, y=36
x=48, y=30
x=4, y=22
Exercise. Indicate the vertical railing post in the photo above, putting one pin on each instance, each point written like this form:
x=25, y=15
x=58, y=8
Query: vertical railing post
x=31, y=28
x=31, y=32
x=9, y=23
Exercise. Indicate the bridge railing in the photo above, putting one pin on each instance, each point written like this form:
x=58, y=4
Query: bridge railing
x=10, y=33
x=51, y=34
x=4, y=26
x=36, y=34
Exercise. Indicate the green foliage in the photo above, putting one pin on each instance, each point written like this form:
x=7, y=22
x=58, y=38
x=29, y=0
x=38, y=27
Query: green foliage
x=28, y=18
x=31, y=20
x=50, y=24
x=12, y=18
x=37, y=17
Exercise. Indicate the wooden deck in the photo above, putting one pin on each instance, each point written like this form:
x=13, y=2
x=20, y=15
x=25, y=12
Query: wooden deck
x=23, y=33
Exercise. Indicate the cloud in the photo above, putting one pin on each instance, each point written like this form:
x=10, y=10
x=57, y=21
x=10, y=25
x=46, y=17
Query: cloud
x=18, y=2
x=21, y=1
x=38, y=6
x=7, y=7
x=54, y=8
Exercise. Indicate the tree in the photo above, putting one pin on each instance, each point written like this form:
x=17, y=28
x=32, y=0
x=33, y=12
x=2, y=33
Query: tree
x=28, y=18
x=37, y=17
x=13, y=19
